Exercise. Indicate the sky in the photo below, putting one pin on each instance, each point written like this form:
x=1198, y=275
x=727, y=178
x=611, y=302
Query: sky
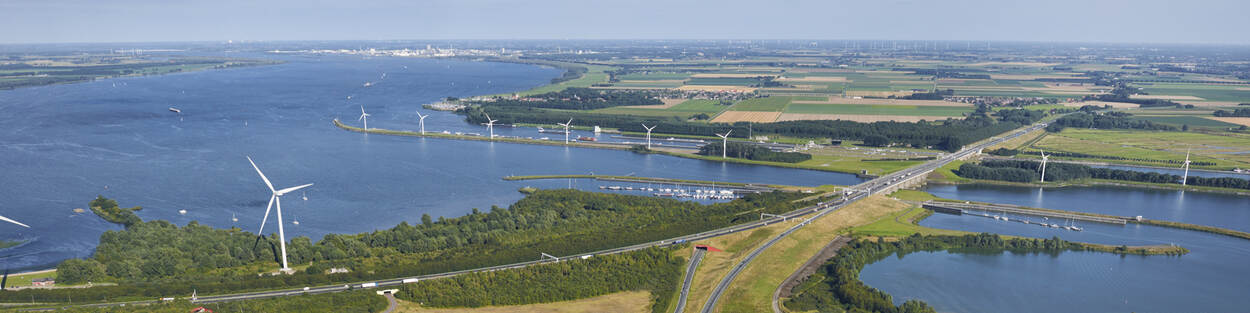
x=1133, y=21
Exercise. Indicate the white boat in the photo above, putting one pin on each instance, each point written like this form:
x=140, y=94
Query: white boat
x=183, y=212
x=233, y=218
x=368, y=84
x=175, y=110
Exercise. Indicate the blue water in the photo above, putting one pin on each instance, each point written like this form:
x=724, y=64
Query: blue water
x=1208, y=279
x=62, y=145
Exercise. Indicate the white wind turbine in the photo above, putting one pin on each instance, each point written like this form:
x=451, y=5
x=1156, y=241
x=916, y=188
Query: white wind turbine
x=724, y=143
x=276, y=197
x=649, y=133
x=422, y=121
x=490, y=125
x=1044, y=159
x=364, y=117
x=566, y=130
x=12, y=221
x=1185, y=179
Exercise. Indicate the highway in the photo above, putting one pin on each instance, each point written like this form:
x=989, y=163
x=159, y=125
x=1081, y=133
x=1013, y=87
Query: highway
x=854, y=193
x=685, y=285
x=861, y=190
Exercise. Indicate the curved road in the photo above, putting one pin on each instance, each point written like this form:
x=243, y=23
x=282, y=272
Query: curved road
x=820, y=209
x=862, y=190
x=685, y=286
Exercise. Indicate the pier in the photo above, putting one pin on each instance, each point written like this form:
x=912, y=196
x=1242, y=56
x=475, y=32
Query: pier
x=972, y=208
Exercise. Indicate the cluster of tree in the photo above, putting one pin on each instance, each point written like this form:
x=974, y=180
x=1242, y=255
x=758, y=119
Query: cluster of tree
x=579, y=99
x=654, y=269
x=1025, y=171
x=1233, y=113
x=837, y=287
x=1123, y=93
x=934, y=95
x=158, y=258
x=1109, y=120
x=752, y=152
x=108, y=210
x=949, y=135
x=1003, y=152
x=361, y=301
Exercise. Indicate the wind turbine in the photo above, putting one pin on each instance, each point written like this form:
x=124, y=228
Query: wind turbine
x=364, y=117
x=1185, y=179
x=649, y=133
x=724, y=143
x=490, y=125
x=566, y=130
x=422, y=121
x=12, y=221
x=1044, y=159
x=276, y=197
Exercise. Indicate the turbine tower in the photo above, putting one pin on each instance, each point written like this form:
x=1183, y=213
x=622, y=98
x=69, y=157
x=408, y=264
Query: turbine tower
x=490, y=125
x=566, y=130
x=1044, y=159
x=724, y=150
x=1185, y=179
x=422, y=121
x=649, y=134
x=364, y=117
x=276, y=197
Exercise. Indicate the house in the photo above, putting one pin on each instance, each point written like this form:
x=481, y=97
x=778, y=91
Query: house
x=338, y=270
x=43, y=282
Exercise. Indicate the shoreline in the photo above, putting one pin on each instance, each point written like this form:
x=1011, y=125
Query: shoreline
x=579, y=144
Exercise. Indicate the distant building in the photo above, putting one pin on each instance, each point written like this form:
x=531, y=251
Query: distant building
x=338, y=270
x=43, y=282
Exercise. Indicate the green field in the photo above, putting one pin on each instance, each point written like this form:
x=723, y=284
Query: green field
x=698, y=106
x=811, y=108
x=1232, y=93
x=726, y=81
x=770, y=104
x=654, y=76
x=1192, y=121
x=684, y=109
x=1226, y=151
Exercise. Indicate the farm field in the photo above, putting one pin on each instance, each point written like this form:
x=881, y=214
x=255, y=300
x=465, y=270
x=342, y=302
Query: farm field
x=866, y=109
x=1226, y=151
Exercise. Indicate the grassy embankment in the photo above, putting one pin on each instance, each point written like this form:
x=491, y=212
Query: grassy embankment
x=626, y=302
x=1222, y=149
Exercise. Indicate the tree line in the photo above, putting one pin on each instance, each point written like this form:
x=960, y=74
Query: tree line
x=1233, y=113
x=1028, y=171
x=752, y=152
x=654, y=270
x=362, y=301
x=949, y=134
x=837, y=287
x=1108, y=120
x=578, y=99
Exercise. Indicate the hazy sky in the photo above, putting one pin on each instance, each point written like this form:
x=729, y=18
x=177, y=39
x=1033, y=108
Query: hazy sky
x=1191, y=21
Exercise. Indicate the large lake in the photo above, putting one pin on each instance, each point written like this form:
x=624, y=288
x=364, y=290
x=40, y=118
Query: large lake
x=62, y=145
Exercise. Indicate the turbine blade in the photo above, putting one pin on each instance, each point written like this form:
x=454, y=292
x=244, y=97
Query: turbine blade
x=261, y=232
x=2, y=218
x=362, y=109
x=487, y=115
x=262, y=175
x=285, y=191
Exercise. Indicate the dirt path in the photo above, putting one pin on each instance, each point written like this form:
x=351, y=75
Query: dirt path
x=391, y=304
x=807, y=270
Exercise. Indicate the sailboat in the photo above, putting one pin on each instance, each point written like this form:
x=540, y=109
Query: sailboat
x=233, y=218
x=305, y=196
